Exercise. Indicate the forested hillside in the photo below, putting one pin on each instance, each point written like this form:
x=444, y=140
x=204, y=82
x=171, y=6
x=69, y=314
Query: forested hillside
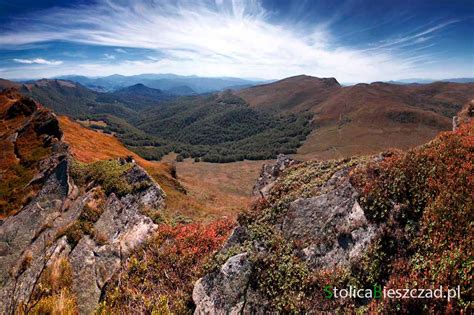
x=218, y=127
x=222, y=128
x=136, y=97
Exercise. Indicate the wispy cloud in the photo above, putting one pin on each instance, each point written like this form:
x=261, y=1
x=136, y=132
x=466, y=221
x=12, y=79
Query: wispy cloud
x=235, y=38
x=39, y=61
x=414, y=38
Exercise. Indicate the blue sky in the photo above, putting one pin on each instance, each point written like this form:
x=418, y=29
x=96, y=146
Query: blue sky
x=354, y=41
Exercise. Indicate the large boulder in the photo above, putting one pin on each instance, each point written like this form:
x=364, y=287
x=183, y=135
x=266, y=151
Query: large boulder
x=333, y=224
x=329, y=223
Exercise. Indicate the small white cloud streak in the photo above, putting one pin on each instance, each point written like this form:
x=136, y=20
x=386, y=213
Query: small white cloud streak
x=39, y=61
x=225, y=38
x=414, y=38
x=109, y=56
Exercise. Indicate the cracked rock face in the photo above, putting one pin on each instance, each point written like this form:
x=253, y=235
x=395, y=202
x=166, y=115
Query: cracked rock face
x=34, y=229
x=34, y=237
x=332, y=226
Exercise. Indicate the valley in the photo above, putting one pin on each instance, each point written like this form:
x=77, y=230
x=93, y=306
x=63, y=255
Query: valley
x=224, y=138
x=305, y=116
x=227, y=190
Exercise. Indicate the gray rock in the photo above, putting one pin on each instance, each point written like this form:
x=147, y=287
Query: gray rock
x=331, y=226
x=270, y=173
x=33, y=231
x=224, y=291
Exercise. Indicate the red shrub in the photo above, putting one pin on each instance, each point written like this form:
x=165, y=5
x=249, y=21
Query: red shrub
x=165, y=269
x=433, y=186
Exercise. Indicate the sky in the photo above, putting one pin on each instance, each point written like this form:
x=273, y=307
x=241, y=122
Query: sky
x=353, y=40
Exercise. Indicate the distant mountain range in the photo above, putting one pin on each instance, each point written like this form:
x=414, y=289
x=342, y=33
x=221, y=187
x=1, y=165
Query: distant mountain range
x=171, y=83
x=75, y=100
x=427, y=81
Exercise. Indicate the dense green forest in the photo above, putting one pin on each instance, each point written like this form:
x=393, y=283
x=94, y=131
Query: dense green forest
x=217, y=127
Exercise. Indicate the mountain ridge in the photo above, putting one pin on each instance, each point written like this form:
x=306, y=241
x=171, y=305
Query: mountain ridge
x=346, y=120
x=163, y=82
x=363, y=118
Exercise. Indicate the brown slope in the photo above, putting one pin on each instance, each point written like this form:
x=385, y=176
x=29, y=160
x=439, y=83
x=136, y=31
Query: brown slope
x=376, y=100
x=6, y=84
x=294, y=94
x=364, y=118
x=28, y=134
x=368, y=118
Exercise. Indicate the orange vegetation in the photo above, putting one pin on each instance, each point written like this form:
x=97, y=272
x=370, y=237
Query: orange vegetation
x=22, y=146
x=159, y=278
x=430, y=233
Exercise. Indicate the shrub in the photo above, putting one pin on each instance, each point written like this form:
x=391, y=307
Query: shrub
x=108, y=174
x=91, y=212
x=161, y=274
x=53, y=293
x=427, y=194
x=280, y=275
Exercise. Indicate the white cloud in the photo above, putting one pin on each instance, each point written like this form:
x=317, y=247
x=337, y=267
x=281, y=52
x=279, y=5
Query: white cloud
x=40, y=61
x=224, y=38
x=109, y=57
x=120, y=50
x=415, y=38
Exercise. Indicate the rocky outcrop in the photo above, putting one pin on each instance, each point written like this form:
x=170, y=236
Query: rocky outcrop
x=331, y=224
x=465, y=115
x=270, y=173
x=224, y=292
x=43, y=230
x=95, y=258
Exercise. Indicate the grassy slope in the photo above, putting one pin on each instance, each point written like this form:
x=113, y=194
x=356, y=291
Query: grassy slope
x=225, y=186
x=331, y=142
x=290, y=95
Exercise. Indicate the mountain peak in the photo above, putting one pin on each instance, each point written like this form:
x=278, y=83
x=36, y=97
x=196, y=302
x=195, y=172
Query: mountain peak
x=331, y=81
x=140, y=88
